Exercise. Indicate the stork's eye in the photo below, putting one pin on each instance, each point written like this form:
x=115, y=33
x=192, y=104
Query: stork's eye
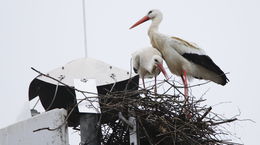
x=150, y=12
x=156, y=60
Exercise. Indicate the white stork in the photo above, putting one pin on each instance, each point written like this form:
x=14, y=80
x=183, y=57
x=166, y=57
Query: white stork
x=148, y=63
x=183, y=58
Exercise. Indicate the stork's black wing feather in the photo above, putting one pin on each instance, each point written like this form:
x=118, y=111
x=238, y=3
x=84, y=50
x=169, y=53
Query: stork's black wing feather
x=206, y=62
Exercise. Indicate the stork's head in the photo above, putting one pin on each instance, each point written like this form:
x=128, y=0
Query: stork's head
x=151, y=15
x=157, y=62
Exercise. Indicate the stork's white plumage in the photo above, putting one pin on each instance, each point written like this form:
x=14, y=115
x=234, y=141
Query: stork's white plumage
x=183, y=58
x=148, y=63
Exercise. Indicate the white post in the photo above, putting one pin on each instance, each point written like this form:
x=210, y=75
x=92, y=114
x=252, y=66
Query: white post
x=84, y=27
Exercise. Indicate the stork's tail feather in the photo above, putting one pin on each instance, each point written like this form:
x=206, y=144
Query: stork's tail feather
x=224, y=79
x=207, y=63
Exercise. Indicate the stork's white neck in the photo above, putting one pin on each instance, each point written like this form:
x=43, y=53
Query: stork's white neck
x=153, y=32
x=155, y=25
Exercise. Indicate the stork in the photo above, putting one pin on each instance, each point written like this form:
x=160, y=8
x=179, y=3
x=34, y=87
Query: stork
x=148, y=63
x=183, y=58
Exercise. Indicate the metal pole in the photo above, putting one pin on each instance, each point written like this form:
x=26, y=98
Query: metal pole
x=134, y=136
x=90, y=131
x=84, y=27
x=133, y=128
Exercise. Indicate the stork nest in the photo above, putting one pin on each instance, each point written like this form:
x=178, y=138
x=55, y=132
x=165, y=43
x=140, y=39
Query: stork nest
x=162, y=119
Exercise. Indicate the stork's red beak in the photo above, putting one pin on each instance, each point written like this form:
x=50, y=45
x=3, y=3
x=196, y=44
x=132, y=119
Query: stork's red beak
x=145, y=18
x=160, y=66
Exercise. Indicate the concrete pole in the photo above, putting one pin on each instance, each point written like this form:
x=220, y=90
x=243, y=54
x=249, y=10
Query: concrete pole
x=90, y=131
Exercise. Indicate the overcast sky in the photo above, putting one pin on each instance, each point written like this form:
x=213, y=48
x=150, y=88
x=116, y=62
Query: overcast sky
x=46, y=34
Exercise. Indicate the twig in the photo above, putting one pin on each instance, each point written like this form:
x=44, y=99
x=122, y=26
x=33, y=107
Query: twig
x=205, y=114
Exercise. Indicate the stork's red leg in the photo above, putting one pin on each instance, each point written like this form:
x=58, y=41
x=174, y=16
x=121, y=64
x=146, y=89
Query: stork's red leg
x=185, y=82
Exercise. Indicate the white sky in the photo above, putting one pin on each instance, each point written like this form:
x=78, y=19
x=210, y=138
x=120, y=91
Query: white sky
x=48, y=33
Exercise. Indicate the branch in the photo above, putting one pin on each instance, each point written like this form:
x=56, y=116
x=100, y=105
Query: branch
x=225, y=121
